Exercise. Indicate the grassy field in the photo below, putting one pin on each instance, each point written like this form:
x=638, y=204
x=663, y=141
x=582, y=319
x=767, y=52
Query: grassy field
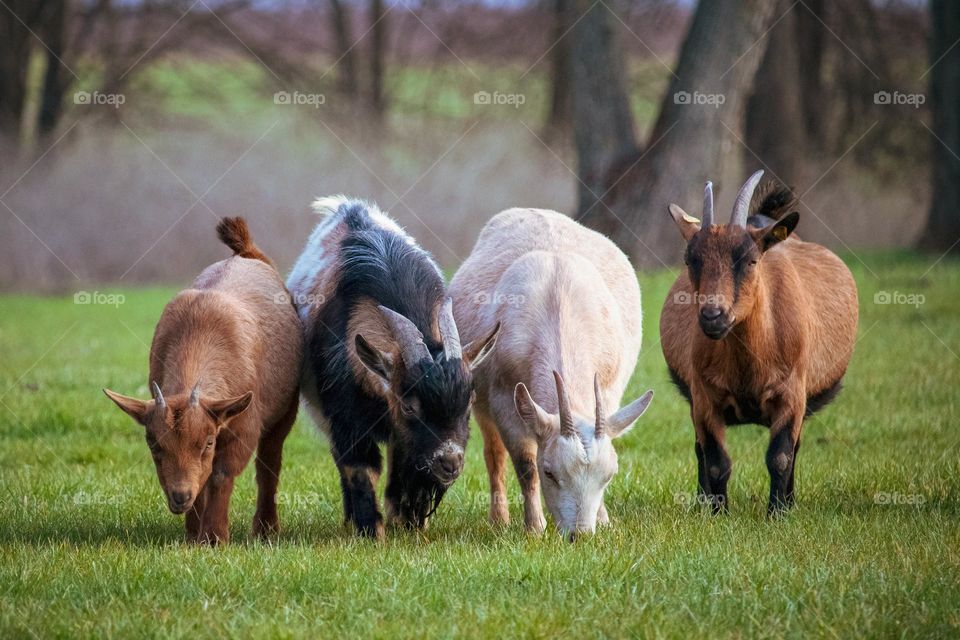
x=88, y=548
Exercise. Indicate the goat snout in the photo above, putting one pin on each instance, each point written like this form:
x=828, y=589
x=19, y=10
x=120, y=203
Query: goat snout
x=710, y=312
x=180, y=499
x=579, y=531
x=715, y=321
x=447, y=464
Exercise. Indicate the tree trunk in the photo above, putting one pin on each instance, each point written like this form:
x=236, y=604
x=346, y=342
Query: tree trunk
x=603, y=125
x=17, y=18
x=774, y=121
x=347, y=67
x=943, y=226
x=559, y=114
x=693, y=135
x=378, y=43
x=54, y=83
x=858, y=79
x=810, y=34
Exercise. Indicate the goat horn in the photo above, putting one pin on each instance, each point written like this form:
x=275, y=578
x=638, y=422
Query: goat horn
x=408, y=337
x=707, y=206
x=195, y=395
x=566, y=416
x=452, y=350
x=158, y=396
x=601, y=416
x=741, y=206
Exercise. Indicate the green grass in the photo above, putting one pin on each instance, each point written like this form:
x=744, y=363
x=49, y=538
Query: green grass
x=88, y=548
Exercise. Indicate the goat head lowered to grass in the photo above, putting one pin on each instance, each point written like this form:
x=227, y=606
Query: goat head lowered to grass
x=759, y=329
x=385, y=363
x=568, y=304
x=224, y=369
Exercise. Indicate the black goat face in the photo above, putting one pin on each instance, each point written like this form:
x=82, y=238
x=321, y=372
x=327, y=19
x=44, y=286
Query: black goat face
x=434, y=411
x=429, y=439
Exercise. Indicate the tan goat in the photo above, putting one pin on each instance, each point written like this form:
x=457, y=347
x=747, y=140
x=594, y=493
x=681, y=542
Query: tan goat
x=224, y=372
x=568, y=305
x=759, y=329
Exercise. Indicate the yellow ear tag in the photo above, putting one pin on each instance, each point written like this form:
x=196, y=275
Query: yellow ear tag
x=689, y=218
x=780, y=233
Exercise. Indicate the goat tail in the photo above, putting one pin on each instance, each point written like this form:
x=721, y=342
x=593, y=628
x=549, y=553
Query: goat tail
x=773, y=200
x=234, y=233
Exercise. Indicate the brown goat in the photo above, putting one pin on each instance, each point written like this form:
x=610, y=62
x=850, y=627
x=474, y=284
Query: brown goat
x=224, y=370
x=759, y=329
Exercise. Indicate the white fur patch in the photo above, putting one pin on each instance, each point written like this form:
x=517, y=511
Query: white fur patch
x=448, y=448
x=316, y=258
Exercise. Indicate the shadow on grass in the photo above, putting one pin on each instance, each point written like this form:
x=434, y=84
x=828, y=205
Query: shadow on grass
x=298, y=530
x=301, y=529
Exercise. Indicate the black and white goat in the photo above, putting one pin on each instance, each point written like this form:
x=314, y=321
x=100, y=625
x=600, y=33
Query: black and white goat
x=384, y=362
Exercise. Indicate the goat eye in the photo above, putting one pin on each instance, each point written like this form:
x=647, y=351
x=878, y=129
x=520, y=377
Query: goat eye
x=210, y=442
x=407, y=409
x=552, y=478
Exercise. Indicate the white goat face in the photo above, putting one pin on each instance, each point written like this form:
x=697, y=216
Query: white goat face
x=575, y=457
x=574, y=474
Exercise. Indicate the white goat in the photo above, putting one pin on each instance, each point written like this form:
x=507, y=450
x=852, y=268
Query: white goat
x=568, y=305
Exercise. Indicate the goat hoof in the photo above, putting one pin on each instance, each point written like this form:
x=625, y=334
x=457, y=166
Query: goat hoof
x=499, y=516
x=537, y=527
x=777, y=511
x=265, y=529
x=373, y=530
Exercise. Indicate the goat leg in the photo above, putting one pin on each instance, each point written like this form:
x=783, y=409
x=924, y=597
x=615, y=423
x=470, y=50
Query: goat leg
x=781, y=458
x=525, y=464
x=194, y=518
x=715, y=465
x=216, y=521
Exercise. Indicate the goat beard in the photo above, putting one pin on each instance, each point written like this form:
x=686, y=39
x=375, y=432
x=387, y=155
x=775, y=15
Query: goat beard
x=419, y=500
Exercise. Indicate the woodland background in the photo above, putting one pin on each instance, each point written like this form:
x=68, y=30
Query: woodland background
x=128, y=126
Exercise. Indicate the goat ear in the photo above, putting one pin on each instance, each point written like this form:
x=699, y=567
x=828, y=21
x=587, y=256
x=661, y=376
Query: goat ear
x=776, y=232
x=223, y=410
x=133, y=407
x=534, y=417
x=477, y=351
x=688, y=225
x=372, y=359
x=623, y=420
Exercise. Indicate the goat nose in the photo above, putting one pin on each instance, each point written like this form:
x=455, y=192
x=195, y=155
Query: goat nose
x=710, y=312
x=180, y=498
x=452, y=463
